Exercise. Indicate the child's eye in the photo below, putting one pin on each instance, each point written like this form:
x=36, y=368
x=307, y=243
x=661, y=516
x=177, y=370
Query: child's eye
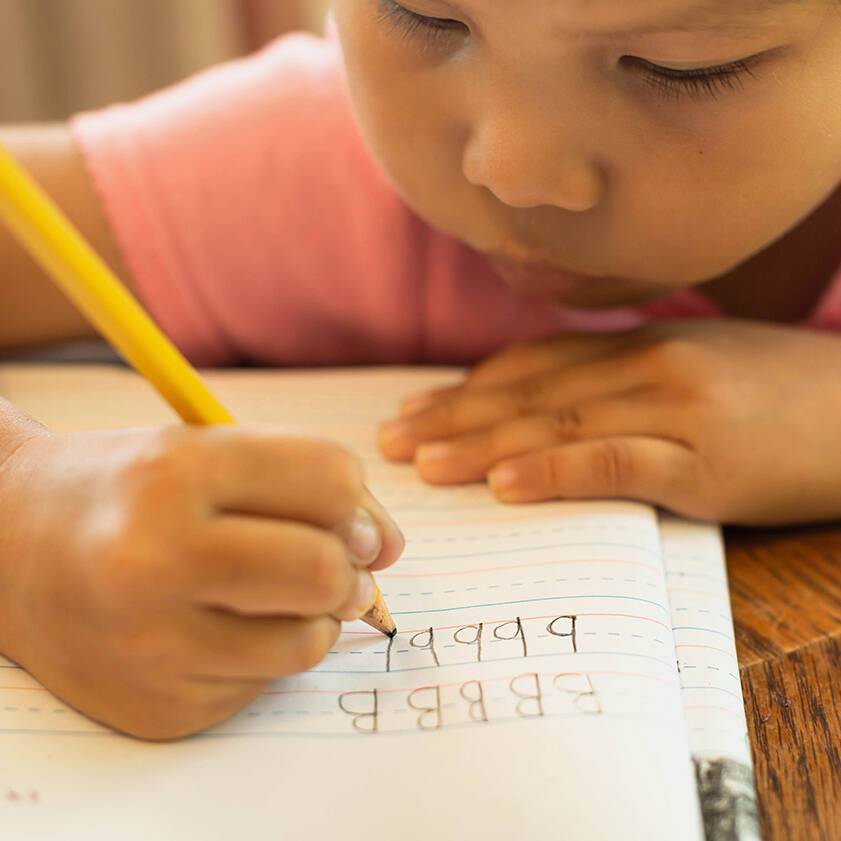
x=411, y=23
x=697, y=82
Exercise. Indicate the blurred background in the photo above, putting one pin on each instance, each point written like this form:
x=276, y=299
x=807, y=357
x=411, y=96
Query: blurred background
x=63, y=56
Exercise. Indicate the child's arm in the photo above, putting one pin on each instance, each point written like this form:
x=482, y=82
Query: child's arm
x=158, y=579
x=33, y=310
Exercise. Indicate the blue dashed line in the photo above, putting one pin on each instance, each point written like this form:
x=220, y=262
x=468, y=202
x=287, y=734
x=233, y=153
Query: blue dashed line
x=710, y=630
x=715, y=689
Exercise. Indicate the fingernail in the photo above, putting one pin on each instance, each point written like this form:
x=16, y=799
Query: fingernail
x=395, y=440
x=394, y=432
x=436, y=451
x=415, y=404
x=504, y=479
x=367, y=593
x=365, y=540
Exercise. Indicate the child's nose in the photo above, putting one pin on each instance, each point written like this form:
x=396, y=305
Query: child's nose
x=526, y=162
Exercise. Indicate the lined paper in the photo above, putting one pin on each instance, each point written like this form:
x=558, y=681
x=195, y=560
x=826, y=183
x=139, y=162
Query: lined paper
x=533, y=687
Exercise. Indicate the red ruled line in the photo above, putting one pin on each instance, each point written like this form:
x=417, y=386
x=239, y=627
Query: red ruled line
x=508, y=618
x=509, y=566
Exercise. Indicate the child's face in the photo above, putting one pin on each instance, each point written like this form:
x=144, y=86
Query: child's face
x=580, y=135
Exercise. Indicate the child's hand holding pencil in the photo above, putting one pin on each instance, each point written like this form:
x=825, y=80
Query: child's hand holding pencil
x=164, y=577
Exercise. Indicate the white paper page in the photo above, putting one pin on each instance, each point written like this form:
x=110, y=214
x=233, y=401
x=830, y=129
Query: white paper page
x=567, y=723
x=705, y=648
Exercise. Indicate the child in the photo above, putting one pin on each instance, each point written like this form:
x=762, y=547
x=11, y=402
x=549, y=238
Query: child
x=642, y=198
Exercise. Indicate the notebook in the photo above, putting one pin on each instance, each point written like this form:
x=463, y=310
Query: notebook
x=562, y=670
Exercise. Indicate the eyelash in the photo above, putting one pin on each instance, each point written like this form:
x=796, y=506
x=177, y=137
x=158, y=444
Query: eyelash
x=410, y=23
x=665, y=81
x=697, y=83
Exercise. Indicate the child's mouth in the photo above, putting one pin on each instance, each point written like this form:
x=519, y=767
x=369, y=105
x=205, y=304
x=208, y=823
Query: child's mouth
x=540, y=281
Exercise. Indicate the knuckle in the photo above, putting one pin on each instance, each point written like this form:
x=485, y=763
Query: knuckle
x=448, y=414
x=329, y=573
x=677, y=355
x=612, y=467
x=168, y=464
x=554, y=473
x=315, y=638
x=565, y=425
x=527, y=394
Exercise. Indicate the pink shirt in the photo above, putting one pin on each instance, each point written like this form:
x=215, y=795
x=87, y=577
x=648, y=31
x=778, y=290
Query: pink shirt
x=257, y=226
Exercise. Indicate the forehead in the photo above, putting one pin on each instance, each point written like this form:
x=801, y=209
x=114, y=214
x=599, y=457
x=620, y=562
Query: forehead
x=605, y=17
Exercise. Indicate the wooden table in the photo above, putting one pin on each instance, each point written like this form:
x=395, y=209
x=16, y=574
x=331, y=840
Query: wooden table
x=786, y=594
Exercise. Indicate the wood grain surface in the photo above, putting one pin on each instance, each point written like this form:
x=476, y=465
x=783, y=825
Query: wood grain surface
x=786, y=593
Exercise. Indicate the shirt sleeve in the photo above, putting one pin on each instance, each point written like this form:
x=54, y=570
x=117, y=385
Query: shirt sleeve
x=254, y=223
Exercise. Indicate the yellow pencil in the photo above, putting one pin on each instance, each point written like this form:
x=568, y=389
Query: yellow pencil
x=55, y=243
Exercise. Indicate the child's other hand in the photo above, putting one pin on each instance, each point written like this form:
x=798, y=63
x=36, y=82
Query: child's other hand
x=157, y=580
x=724, y=420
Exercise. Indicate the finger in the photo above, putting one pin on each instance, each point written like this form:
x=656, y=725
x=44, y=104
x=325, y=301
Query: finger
x=524, y=360
x=260, y=566
x=475, y=409
x=415, y=402
x=468, y=458
x=220, y=644
x=530, y=359
x=259, y=472
x=392, y=541
x=651, y=470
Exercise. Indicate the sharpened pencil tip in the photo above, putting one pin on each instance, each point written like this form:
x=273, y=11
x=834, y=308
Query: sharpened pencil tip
x=392, y=634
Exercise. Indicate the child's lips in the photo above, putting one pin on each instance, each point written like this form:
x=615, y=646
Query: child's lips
x=537, y=280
